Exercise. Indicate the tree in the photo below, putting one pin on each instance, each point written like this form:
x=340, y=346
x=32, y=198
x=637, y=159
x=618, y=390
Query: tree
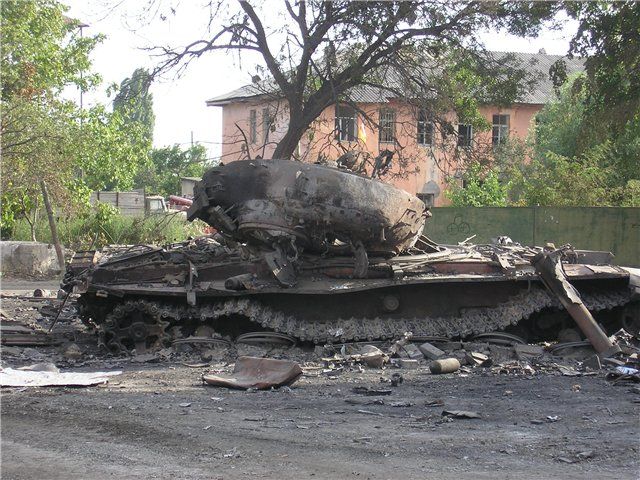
x=42, y=53
x=168, y=165
x=134, y=102
x=42, y=50
x=111, y=149
x=317, y=53
x=481, y=187
x=560, y=167
x=608, y=38
x=39, y=138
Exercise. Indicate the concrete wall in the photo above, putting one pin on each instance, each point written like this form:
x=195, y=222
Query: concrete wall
x=589, y=228
x=28, y=259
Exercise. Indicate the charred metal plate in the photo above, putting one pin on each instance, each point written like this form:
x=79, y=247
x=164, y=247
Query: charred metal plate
x=265, y=200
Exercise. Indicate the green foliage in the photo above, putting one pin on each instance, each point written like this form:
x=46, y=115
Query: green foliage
x=559, y=123
x=586, y=180
x=609, y=37
x=48, y=139
x=568, y=167
x=559, y=181
x=103, y=227
x=559, y=164
x=9, y=211
x=134, y=102
x=42, y=50
x=112, y=150
x=168, y=164
x=39, y=138
x=481, y=188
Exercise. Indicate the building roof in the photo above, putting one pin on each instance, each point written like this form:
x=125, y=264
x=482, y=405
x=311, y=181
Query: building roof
x=537, y=64
x=239, y=94
x=541, y=63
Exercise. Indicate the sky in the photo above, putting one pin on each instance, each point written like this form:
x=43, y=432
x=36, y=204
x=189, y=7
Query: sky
x=179, y=102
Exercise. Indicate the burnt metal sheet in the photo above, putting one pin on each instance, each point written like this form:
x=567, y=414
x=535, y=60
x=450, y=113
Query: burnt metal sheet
x=260, y=373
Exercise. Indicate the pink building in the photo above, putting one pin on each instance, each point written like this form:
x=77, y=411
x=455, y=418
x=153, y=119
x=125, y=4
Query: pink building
x=423, y=157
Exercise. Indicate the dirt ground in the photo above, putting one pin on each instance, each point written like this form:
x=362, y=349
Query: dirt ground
x=157, y=420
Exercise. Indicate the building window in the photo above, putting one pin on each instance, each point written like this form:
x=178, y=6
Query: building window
x=387, y=125
x=425, y=129
x=253, y=126
x=345, y=123
x=465, y=135
x=427, y=198
x=266, y=124
x=500, y=129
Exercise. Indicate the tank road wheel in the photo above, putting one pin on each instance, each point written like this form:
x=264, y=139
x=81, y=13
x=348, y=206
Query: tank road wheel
x=136, y=325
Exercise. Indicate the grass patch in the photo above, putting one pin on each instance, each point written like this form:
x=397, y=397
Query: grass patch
x=97, y=230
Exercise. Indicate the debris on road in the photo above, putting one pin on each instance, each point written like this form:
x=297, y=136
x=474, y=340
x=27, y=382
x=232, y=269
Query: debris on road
x=259, y=373
x=446, y=365
x=526, y=352
x=460, y=414
x=431, y=351
x=72, y=352
x=396, y=379
x=371, y=391
x=48, y=377
x=408, y=363
x=372, y=356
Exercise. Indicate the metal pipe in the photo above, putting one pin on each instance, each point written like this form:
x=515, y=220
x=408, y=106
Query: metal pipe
x=548, y=266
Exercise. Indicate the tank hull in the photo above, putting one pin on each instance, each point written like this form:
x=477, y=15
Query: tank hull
x=325, y=255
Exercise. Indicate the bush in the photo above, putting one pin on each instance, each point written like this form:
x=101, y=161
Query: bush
x=105, y=225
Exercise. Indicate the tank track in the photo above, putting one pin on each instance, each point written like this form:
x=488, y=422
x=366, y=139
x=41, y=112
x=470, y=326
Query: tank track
x=471, y=321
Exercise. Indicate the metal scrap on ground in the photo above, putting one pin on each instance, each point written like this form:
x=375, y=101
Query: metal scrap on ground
x=52, y=377
x=260, y=373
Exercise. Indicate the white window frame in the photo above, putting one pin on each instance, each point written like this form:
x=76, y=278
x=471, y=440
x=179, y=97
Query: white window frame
x=424, y=129
x=500, y=130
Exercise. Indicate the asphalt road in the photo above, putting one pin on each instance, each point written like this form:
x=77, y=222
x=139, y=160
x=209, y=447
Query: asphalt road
x=139, y=427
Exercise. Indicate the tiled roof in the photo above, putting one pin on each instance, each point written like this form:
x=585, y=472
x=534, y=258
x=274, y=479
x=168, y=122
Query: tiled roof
x=534, y=63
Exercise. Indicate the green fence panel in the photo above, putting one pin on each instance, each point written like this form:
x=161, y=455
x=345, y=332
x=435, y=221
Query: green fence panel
x=452, y=225
x=614, y=229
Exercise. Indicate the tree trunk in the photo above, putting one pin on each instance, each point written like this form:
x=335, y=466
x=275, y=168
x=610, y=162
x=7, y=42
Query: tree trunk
x=289, y=143
x=32, y=227
x=52, y=225
x=299, y=122
x=33, y=224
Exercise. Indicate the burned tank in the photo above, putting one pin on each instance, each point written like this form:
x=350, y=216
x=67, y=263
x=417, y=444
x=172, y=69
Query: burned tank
x=325, y=255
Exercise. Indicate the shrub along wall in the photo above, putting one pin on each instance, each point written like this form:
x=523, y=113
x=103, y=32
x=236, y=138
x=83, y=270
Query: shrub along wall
x=79, y=233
